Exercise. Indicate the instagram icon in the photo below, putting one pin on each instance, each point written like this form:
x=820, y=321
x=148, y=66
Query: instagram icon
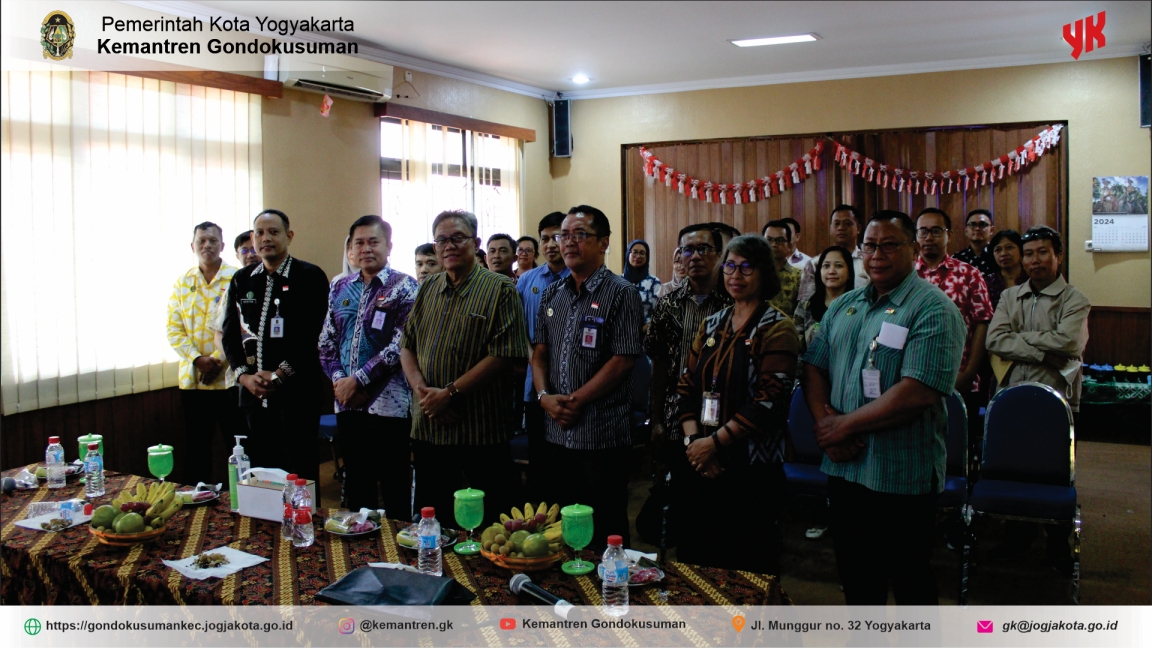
x=347, y=625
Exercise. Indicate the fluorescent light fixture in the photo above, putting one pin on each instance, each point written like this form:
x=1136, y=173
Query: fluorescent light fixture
x=775, y=40
x=579, y=78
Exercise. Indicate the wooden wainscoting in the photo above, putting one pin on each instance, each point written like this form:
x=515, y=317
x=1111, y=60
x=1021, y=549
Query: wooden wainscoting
x=1119, y=335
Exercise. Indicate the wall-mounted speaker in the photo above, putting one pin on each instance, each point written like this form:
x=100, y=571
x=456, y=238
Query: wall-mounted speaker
x=1145, y=90
x=562, y=128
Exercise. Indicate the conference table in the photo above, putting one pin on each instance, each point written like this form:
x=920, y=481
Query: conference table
x=72, y=568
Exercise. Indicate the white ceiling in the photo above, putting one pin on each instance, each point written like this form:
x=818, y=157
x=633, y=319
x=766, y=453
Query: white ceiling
x=644, y=47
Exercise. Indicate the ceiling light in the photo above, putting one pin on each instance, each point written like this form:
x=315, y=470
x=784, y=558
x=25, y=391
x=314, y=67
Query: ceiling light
x=775, y=40
x=579, y=78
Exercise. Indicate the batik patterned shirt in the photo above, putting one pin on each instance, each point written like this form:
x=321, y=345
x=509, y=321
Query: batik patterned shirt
x=191, y=330
x=361, y=338
x=965, y=286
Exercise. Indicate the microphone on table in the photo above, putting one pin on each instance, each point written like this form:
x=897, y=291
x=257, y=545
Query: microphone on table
x=522, y=584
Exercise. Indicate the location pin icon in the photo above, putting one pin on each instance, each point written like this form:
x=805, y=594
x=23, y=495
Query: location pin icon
x=738, y=622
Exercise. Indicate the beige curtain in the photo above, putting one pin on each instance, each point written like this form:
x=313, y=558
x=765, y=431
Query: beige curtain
x=104, y=177
x=447, y=168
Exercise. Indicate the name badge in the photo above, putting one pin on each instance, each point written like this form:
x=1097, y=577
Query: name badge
x=871, y=379
x=277, y=327
x=590, y=336
x=378, y=320
x=710, y=409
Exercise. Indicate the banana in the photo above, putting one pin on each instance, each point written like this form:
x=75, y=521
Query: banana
x=528, y=512
x=160, y=505
x=516, y=514
x=141, y=493
x=504, y=517
x=553, y=513
x=170, y=511
x=553, y=534
x=553, y=547
x=542, y=508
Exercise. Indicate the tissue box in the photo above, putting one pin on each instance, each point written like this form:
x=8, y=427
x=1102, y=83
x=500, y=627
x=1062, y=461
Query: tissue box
x=261, y=494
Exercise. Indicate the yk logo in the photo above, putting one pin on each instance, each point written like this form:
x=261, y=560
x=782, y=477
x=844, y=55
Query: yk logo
x=1084, y=34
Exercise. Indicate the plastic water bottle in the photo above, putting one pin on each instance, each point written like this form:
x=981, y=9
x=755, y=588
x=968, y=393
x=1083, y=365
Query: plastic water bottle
x=65, y=509
x=303, y=534
x=54, y=463
x=614, y=571
x=287, y=526
x=428, y=534
x=94, y=472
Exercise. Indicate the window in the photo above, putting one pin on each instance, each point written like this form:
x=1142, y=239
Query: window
x=104, y=177
x=426, y=169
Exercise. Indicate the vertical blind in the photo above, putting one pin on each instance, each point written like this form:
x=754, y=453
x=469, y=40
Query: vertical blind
x=104, y=177
x=427, y=169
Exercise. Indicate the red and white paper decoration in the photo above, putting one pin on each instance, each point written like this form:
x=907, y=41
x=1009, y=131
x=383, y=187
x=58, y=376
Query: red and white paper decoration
x=736, y=193
x=888, y=177
x=942, y=182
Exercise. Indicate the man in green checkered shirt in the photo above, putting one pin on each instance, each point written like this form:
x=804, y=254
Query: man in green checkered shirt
x=875, y=377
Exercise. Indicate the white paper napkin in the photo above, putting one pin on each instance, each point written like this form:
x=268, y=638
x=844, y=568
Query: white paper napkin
x=396, y=566
x=635, y=556
x=34, y=523
x=237, y=560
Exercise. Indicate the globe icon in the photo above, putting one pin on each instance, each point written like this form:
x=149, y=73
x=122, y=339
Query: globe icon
x=32, y=626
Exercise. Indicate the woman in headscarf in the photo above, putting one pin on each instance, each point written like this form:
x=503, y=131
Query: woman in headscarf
x=679, y=274
x=349, y=263
x=636, y=271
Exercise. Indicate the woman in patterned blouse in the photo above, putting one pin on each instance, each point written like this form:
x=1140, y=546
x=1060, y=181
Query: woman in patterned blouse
x=742, y=362
x=636, y=271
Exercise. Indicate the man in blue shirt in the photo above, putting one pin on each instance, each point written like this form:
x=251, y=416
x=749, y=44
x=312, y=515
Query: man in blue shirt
x=531, y=286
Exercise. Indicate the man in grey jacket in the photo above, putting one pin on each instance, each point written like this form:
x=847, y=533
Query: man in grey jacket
x=1038, y=334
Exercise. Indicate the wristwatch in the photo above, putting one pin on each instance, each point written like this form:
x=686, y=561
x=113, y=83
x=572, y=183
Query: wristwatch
x=452, y=390
x=541, y=394
x=276, y=379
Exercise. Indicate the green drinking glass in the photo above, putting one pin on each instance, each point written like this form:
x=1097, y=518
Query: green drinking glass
x=469, y=510
x=576, y=525
x=83, y=443
x=160, y=461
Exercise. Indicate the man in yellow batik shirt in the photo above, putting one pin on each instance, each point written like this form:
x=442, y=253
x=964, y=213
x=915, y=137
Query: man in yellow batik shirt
x=207, y=392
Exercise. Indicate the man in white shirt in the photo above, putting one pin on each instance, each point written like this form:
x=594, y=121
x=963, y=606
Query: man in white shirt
x=844, y=228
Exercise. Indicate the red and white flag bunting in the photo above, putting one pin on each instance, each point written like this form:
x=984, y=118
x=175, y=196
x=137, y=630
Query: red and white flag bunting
x=888, y=177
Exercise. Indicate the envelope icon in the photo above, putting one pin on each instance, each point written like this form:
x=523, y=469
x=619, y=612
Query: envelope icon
x=985, y=627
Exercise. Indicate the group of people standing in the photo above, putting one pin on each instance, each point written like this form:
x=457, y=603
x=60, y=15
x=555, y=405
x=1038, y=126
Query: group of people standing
x=445, y=367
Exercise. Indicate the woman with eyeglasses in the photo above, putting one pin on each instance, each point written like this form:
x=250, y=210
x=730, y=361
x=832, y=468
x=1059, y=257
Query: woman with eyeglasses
x=1006, y=250
x=837, y=276
x=734, y=395
x=679, y=274
x=636, y=271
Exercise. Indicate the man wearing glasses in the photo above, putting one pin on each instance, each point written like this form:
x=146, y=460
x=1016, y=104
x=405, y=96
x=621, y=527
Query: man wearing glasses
x=779, y=236
x=875, y=377
x=531, y=287
x=978, y=229
x=965, y=286
x=675, y=321
x=460, y=344
x=586, y=343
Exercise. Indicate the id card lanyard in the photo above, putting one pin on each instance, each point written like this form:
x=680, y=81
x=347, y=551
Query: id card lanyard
x=277, y=322
x=710, y=407
x=870, y=374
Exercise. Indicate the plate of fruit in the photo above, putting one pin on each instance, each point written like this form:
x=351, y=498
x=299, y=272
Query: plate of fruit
x=524, y=540
x=408, y=539
x=70, y=470
x=197, y=497
x=135, y=516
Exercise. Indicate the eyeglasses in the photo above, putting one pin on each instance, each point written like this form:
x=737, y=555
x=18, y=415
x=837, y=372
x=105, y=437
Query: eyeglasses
x=246, y=250
x=550, y=237
x=688, y=250
x=746, y=268
x=979, y=225
x=456, y=240
x=930, y=232
x=525, y=251
x=578, y=237
x=779, y=240
x=887, y=248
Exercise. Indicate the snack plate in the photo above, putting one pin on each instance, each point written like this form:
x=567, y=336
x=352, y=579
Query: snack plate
x=445, y=542
x=649, y=575
x=70, y=470
x=215, y=496
x=353, y=535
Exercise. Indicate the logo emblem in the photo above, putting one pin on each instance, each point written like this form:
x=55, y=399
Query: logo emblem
x=251, y=295
x=347, y=625
x=507, y=624
x=57, y=35
x=32, y=626
x=535, y=289
x=985, y=627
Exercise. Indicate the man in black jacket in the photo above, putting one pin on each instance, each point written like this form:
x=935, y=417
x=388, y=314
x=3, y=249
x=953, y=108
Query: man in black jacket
x=270, y=338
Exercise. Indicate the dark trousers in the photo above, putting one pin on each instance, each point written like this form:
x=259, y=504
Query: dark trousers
x=441, y=470
x=376, y=451
x=881, y=538
x=284, y=437
x=541, y=484
x=753, y=494
x=205, y=413
x=597, y=478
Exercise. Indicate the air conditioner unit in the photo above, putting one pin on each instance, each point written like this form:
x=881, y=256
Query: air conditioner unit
x=334, y=74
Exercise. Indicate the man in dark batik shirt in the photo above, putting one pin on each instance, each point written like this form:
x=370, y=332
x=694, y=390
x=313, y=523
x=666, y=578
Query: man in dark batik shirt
x=978, y=229
x=270, y=336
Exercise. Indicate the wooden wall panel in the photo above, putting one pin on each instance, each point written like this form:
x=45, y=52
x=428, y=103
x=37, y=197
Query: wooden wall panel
x=1119, y=336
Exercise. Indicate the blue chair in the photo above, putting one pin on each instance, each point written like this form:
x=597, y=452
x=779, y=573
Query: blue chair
x=956, y=473
x=1028, y=468
x=327, y=434
x=803, y=475
x=639, y=417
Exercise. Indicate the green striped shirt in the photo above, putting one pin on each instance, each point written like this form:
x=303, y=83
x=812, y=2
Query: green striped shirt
x=450, y=330
x=905, y=459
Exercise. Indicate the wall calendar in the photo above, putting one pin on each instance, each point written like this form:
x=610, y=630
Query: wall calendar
x=1120, y=214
